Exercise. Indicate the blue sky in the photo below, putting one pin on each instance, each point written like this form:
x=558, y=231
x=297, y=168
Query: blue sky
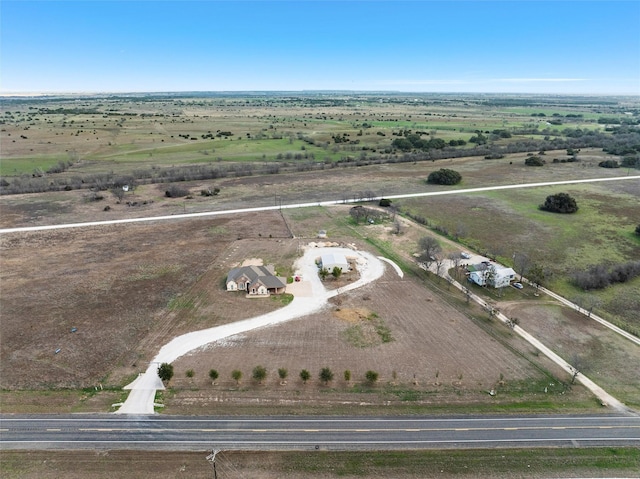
x=417, y=46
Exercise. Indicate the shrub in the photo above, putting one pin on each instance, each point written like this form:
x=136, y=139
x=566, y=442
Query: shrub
x=631, y=162
x=305, y=376
x=190, y=373
x=176, y=191
x=94, y=196
x=326, y=375
x=165, y=372
x=609, y=164
x=209, y=192
x=371, y=376
x=259, y=373
x=385, y=202
x=213, y=374
x=638, y=230
x=560, y=203
x=444, y=176
x=534, y=161
x=600, y=276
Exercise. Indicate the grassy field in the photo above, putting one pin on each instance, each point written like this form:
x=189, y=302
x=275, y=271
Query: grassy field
x=474, y=463
x=129, y=134
x=129, y=290
x=601, y=232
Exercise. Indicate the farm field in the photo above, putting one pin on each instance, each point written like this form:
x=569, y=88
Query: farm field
x=126, y=290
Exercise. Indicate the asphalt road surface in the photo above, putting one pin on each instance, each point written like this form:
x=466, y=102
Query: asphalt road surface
x=310, y=433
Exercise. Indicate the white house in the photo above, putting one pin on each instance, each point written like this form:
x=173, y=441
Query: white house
x=331, y=260
x=493, y=274
x=502, y=277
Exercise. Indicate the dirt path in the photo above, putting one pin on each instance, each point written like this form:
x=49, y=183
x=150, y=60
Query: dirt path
x=143, y=389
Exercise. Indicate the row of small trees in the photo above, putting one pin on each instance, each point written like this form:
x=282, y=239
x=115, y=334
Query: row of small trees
x=259, y=374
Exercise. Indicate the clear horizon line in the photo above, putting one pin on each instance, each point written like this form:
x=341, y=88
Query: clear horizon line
x=20, y=93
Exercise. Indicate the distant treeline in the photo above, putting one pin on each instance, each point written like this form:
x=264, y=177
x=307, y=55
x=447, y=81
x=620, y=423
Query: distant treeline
x=623, y=141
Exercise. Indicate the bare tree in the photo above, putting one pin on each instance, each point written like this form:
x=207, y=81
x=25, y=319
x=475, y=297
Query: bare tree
x=537, y=275
x=521, y=263
x=455, y=261
x=439, y=260
x=588, y=302
x=577, y=365
x=428, y=247
x=118, y=193
x=467, y=293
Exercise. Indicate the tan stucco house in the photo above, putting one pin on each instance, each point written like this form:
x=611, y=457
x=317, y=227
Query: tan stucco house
x=256, y=281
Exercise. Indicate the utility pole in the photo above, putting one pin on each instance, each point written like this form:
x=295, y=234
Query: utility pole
x=212, y=459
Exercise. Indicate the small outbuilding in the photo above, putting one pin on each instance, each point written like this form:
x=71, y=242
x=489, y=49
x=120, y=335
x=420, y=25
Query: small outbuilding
x=332, y=260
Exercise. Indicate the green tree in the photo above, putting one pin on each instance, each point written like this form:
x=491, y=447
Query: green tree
x=444, y=176
x=371, y=376
x=347, y=375
x=236, y=374
x=305, y=376
x=165, y=372
x=259, y=373
x=282, y=374
x=213, y=375
x=560, y=203
x=478, y=139
x=336, y=272
x=326, y=375
x=638, y=230
x=435, y=143
x=402, y=144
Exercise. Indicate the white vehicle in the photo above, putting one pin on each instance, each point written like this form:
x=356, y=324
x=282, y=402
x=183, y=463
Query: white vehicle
x=518, y=285
x=465, y=255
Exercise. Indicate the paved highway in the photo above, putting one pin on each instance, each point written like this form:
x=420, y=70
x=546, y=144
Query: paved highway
x=308, y=433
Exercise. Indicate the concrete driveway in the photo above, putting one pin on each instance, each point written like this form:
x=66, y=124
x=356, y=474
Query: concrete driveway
x=312, y=296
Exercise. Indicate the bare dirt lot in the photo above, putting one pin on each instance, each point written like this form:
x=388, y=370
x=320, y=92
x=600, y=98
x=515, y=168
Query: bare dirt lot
x=107, y=298
x=128, y=290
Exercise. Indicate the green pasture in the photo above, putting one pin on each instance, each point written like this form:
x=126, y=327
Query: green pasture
x=208, y=151
x=502, y=223
x=27, y=165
